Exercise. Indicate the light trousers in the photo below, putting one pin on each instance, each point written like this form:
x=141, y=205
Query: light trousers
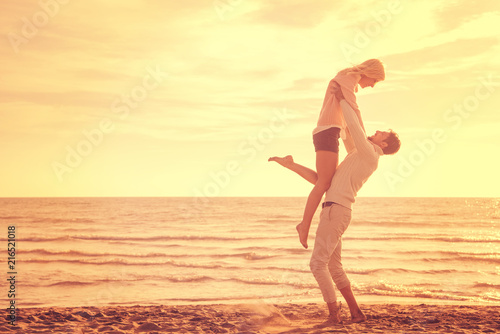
x=326, y=264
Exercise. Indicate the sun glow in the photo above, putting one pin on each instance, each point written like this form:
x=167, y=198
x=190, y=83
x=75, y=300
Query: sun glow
x=168, y=99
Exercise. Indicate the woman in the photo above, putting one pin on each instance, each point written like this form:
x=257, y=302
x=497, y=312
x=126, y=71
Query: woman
x=330, y=127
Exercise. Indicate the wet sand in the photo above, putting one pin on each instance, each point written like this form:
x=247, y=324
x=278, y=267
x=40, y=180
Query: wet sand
x=254, y=318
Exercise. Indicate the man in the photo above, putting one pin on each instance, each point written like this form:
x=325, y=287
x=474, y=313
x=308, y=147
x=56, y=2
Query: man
x=360, y=162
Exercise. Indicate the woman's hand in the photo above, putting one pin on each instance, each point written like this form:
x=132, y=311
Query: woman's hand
x=337, y=91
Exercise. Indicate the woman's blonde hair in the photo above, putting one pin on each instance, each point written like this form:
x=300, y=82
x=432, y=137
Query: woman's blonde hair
x=372, y=68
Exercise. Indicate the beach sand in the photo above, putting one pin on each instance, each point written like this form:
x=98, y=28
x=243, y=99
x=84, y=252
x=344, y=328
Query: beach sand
x=254, y=318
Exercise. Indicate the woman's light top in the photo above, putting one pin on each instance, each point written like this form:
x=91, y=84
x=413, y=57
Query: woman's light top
x=331, y=112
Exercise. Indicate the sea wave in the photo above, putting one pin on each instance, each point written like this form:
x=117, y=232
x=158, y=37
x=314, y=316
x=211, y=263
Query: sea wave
x=52, y=220
x=426, y=238
x=37, y=238
x=11, y=217
x=228, y=267
x=89, y=254
x=483, y=285
x=120, y=261
x=168, y=238
x=386, y=289
x=125, y=279
x=408, y=271
x=447, y=256
x=439, y=223
x=121, y=279
x=180, y=264
x=280, y=250
x=251, y=256
x=229, y=299
x=487, y=259
x=380, y=288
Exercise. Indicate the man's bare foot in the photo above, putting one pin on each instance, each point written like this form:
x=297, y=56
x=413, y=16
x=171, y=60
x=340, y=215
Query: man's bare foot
x=332, y=321
x=285, y=161
x=334, y=317
x=358, y=317
x=303, y=231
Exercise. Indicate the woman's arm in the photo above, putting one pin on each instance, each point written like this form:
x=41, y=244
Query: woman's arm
x=348, y=141
x=348, y=84
x=363, y=145
x=349, y=96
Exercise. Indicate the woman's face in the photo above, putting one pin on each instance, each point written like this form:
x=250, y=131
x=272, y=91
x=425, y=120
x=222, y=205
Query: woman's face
x=366, y=81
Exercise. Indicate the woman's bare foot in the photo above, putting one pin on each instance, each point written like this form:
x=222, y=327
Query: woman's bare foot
x=358, y=317
x=303, y=231
x=285, y=161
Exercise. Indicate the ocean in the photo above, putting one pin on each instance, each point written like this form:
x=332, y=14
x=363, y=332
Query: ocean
x=164, y=251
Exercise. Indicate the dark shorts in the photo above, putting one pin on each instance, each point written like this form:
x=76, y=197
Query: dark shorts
x=327, y=140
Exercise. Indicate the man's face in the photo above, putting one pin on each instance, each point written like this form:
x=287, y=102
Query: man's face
x=366, y=82
x=379, y=137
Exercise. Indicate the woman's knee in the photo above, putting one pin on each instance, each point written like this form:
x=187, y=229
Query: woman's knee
x=323, y=184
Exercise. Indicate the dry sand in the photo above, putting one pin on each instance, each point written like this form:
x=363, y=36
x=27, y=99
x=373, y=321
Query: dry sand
x=254, y=318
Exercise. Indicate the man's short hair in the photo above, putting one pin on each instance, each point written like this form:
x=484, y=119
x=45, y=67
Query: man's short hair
x=393, y=143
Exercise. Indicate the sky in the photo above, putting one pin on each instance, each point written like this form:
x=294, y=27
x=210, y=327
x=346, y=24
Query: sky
x=190, y=98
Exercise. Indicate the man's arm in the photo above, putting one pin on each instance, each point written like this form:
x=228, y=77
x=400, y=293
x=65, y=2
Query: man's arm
x=348, y=142
x=342, y=92
x=358, y=135
x=351, y=99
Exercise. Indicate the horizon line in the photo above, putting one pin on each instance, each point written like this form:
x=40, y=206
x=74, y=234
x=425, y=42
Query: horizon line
x=213, y=197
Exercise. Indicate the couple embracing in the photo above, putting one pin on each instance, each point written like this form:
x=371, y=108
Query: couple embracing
x=339, y=118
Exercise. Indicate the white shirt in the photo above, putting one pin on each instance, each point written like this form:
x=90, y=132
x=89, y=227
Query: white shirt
x=360, y=162
x=331, y=112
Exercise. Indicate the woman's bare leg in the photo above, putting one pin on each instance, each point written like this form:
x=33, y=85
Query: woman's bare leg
x=287, y=162
x=326, y=164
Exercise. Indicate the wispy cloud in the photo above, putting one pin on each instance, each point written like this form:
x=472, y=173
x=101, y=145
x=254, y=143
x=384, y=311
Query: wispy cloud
x=227, y=76
x=451, y=15
x=293, y=14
